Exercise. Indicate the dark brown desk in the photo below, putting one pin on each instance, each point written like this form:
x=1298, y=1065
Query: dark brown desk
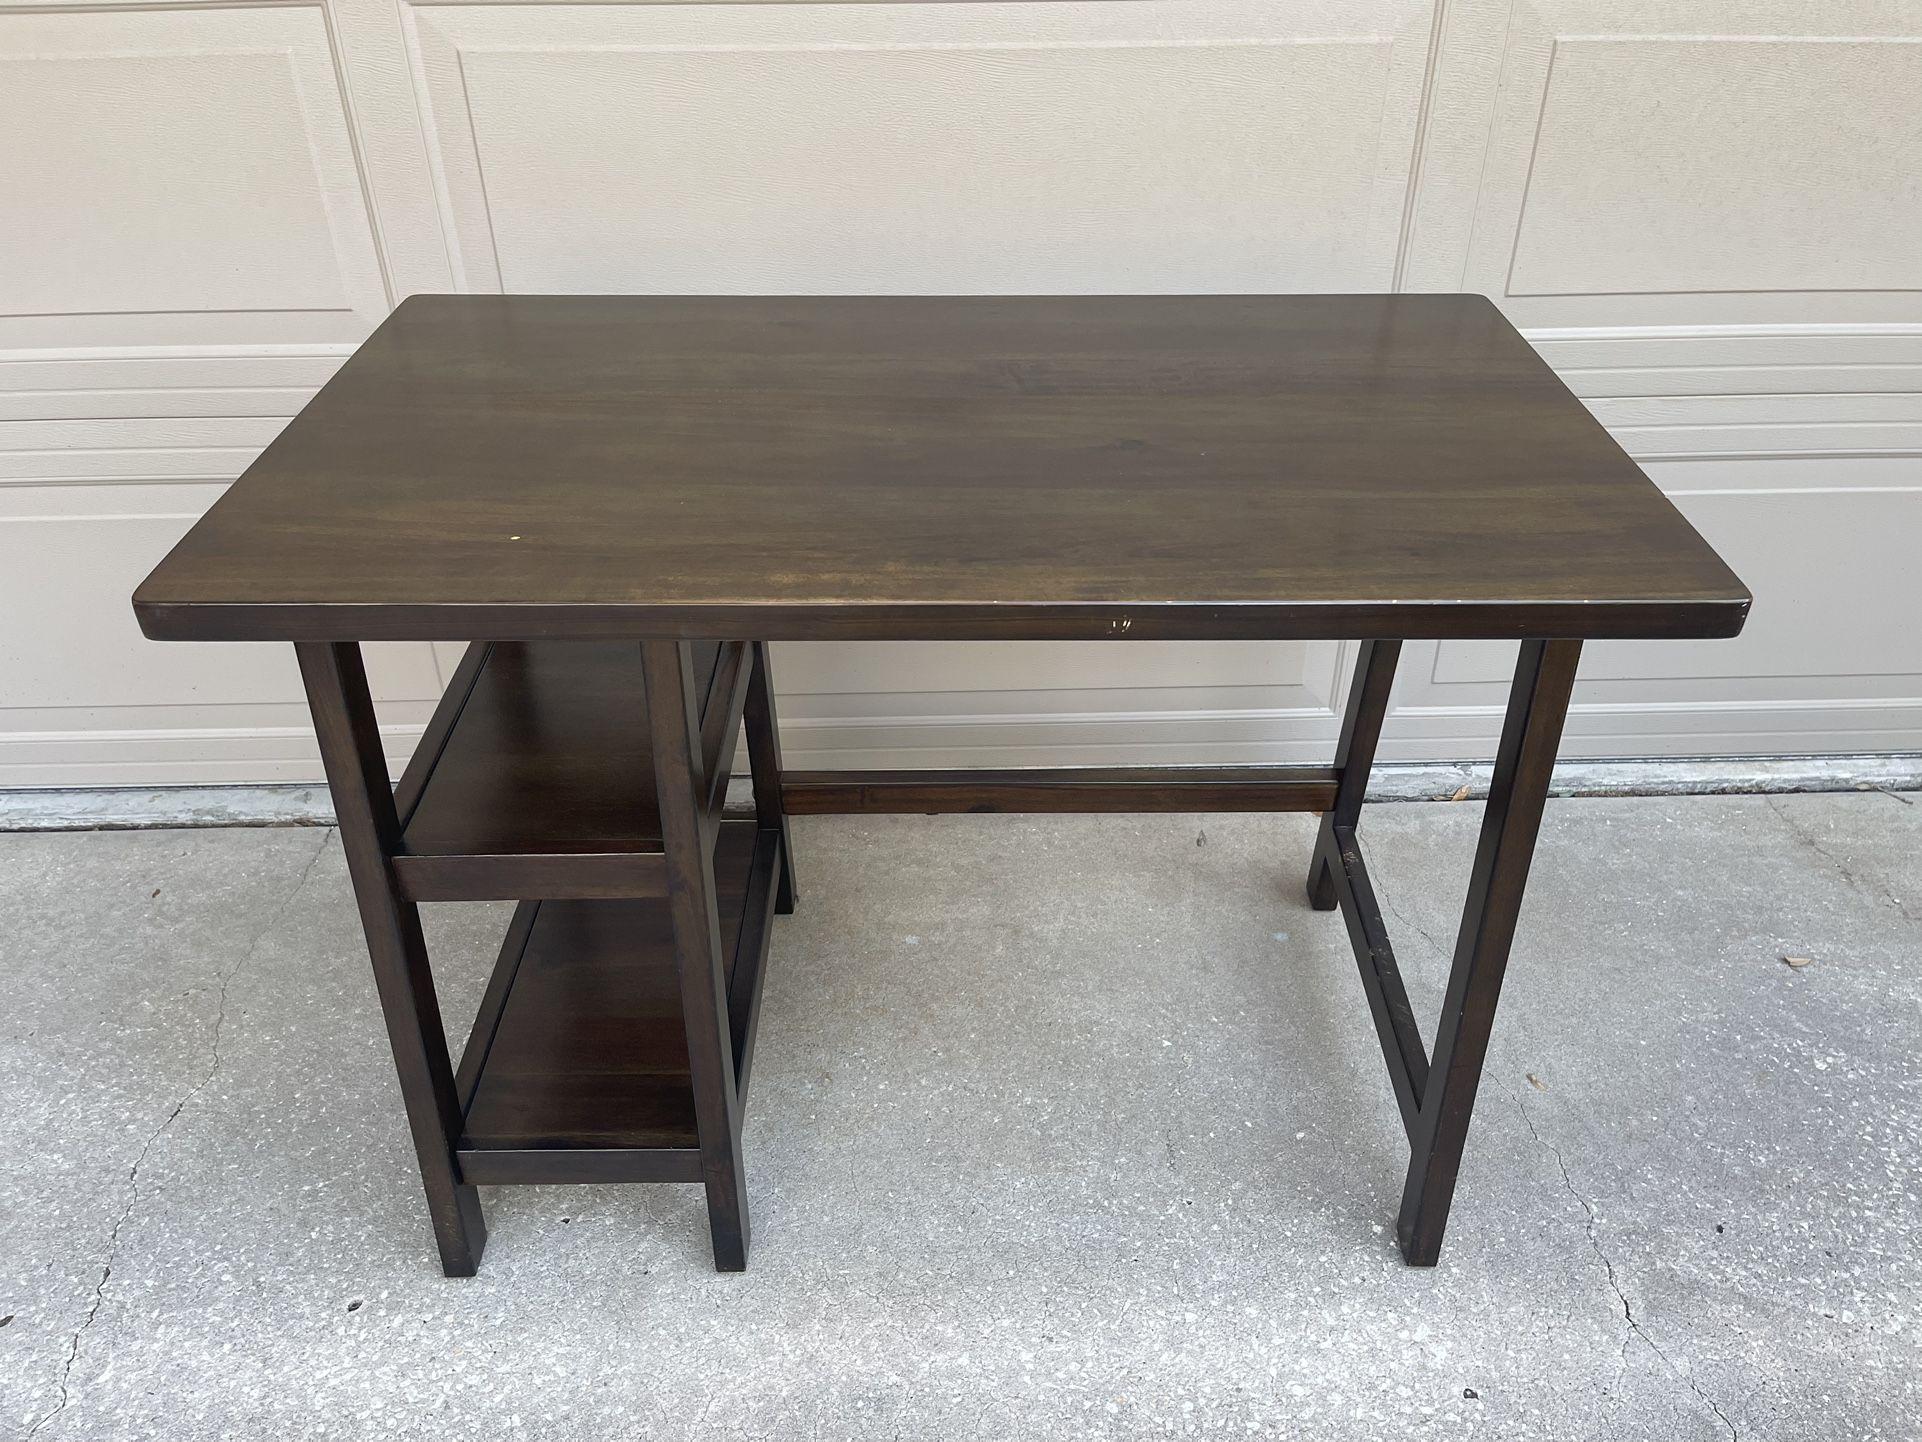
x=620, y=500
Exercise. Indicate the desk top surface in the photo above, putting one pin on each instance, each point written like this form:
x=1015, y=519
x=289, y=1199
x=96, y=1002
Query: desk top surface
x=1039, y=467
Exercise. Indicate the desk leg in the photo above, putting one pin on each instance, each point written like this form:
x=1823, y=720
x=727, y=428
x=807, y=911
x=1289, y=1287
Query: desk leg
x=1354, y=758
x=764, y=757
x=687, y=837
x=1537, y=705
x=350, y=750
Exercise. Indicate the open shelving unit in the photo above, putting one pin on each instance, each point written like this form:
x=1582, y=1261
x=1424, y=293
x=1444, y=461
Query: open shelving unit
x=535, y=782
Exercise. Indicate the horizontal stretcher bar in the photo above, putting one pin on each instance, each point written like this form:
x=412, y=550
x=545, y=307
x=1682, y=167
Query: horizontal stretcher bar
x=1061, y=789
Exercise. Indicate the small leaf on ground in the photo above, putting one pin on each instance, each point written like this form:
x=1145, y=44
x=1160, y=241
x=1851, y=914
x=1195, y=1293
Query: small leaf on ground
x=1798, y=962
x=1535, y=1082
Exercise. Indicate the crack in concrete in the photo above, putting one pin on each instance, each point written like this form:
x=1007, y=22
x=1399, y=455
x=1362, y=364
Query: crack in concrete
x=1446, y=953
x=1876, y=891
x=133, y=1173
x=1635, y=1329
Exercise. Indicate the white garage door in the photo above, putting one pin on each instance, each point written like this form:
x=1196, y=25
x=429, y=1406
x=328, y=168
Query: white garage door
x=1707, y=213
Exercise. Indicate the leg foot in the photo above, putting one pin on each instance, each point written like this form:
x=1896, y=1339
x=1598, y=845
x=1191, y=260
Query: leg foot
x=1418, y=1249
x=461, y=1231
x=784, y=883
x=1321, y=881
x=727, y=1225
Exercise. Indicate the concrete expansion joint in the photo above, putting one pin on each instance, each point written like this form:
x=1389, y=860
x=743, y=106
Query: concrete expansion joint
x=1635, y=1331
x=99, y=1297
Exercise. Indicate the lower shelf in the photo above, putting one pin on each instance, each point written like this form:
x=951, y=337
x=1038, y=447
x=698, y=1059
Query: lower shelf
x=577, y=1067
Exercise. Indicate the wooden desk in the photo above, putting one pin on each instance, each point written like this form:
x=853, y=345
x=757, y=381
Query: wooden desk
x=620, y=500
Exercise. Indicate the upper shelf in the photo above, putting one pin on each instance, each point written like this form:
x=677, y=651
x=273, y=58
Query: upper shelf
x=536, y=776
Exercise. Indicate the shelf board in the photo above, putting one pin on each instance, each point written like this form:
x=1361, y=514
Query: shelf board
x=536, y=776
x=577, y=1066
